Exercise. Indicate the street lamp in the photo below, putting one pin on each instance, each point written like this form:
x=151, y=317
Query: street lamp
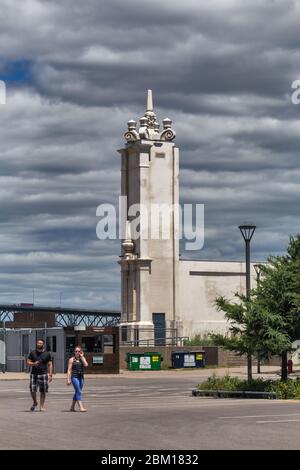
x=247, y=231
x=257, y=268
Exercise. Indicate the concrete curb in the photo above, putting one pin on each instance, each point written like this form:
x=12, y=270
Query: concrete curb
x=233, y=394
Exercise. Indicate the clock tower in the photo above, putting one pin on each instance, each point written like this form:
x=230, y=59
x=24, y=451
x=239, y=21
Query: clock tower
x=150, y=247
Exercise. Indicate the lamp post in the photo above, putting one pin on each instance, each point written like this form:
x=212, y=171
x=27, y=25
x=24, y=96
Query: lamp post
x=247, y=231
x=5, y=350
x=257, y=268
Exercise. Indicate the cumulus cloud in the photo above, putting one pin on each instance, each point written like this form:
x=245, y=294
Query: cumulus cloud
x=77, y=72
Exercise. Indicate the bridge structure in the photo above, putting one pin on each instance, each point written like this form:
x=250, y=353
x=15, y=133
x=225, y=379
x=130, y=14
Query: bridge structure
x=61, y=316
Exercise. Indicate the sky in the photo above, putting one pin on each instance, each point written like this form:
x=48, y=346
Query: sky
x=76, y=72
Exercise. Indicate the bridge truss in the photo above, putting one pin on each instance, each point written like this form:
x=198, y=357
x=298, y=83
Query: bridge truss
x=66, y=317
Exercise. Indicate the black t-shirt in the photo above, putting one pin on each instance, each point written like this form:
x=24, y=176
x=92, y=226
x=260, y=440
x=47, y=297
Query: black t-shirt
x=43, y=357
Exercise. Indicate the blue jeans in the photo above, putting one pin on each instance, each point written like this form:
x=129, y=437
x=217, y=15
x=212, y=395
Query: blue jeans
x=78, y=386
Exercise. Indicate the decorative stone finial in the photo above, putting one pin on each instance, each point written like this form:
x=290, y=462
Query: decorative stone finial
x=149, y=101
x=131, y=135
x=167, y=123
x=168, y=133
x=149, y=127
x=149, y=114
x=143, y=130
x=131, y=125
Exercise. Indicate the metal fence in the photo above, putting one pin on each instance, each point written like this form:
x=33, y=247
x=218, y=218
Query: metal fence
x=165, y=341
x=2, y=350
x=16, y=364
x=150, y=337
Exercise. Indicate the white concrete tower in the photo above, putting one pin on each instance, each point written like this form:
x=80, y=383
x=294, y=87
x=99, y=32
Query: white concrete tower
x=149, y=263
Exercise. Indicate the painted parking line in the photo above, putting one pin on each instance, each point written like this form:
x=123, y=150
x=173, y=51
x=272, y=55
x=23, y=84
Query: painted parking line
x=117, y=395
x=192, y=404
x=279, y=421
x=258, y=416
x=149, y=401
x=132, y=404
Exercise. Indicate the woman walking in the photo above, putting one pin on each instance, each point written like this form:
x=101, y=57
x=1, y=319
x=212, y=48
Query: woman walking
x=76, y=376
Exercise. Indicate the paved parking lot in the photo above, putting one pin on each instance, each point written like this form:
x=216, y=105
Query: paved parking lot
x=140, y=411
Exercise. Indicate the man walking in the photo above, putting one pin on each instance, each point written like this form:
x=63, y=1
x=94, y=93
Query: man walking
x=41, y=373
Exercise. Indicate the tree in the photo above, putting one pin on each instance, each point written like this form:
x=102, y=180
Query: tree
x=278, y=292
x=253, y=329
x=269, y=321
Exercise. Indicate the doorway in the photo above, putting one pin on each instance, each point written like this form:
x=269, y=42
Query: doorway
x=159, y=321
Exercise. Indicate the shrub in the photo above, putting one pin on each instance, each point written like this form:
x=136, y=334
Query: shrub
x=290, y=389
x=200, y=340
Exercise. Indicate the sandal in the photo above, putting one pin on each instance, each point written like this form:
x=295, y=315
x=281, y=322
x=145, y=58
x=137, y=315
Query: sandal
x=33, y=407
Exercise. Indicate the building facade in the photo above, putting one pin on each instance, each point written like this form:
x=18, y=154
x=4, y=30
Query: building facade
x=162, y=295
x=100, y=345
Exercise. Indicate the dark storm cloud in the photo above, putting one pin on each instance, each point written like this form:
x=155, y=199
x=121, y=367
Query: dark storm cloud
x=76, y=72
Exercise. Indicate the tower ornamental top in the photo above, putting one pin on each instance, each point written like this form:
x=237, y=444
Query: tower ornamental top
x=149, y=101
x=149, y=127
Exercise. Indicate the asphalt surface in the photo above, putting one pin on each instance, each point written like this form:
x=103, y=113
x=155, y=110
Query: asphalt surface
x=144, y=412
